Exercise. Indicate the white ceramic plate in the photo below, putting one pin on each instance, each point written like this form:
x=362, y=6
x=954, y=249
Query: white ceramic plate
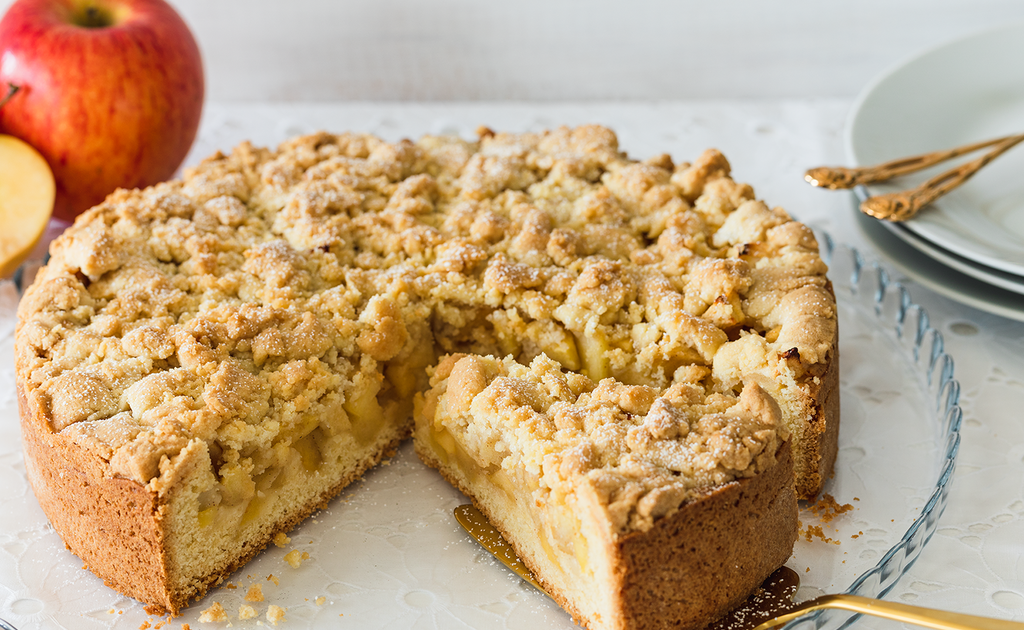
x=995, y=277
x=934, y=275
x=964, y=91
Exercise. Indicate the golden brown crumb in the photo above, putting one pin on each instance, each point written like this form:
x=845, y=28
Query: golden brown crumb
x=145, y=625
x=295, y=558
x=185, y=626
x=245, y=611
x=213, y=614
x=281, y=539
x=230, y=586
x=827, y=508
x=815, y=531
x=275, y=614
x=255, y=593
x=320, y=601
x=271, y=578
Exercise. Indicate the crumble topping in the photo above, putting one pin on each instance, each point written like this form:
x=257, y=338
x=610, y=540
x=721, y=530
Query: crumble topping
x=638, y=451
x=269, y=291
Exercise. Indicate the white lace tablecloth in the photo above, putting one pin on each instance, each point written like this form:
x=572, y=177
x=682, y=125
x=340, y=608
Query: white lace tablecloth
x=419, y=567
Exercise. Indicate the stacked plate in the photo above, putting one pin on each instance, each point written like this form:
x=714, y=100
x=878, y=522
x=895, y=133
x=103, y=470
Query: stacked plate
x=968, y=245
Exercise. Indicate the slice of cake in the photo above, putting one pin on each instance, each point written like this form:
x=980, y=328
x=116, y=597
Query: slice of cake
x=205, y=362
x=635, y=507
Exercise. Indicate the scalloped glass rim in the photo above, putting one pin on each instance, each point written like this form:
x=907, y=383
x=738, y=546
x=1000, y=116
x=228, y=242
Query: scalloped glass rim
x=868, y=284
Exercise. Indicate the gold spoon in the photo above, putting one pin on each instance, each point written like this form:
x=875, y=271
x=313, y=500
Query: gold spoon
x=778, y=589
x=902, y=205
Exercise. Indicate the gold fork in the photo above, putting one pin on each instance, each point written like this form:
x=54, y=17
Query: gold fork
x=902, y=205
x=491, y=539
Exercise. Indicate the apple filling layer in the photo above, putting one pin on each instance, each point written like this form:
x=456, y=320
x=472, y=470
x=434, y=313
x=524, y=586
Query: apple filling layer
x=568, y=468
x=556, y=534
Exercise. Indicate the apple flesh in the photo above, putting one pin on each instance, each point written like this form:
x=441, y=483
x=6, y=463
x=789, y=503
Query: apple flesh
x=27, y=193
x=110, y=92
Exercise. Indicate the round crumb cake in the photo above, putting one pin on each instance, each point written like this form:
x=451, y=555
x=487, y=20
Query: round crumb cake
x=205, y=362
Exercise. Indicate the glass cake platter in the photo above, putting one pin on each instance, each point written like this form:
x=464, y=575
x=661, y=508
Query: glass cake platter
x=387, y=553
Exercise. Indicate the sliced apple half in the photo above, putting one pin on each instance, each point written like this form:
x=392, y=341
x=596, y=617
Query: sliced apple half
x=27, y=193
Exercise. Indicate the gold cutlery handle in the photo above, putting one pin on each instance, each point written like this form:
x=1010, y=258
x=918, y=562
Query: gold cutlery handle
x=900, y=206
x=837, y=177
x=926, y=617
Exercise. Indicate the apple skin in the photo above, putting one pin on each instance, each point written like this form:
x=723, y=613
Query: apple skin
x=109, y=107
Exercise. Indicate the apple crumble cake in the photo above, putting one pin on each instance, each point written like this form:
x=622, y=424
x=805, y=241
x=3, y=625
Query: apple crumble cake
x=205, y=362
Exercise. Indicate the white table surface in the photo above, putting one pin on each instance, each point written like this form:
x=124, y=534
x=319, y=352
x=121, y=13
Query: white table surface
x=973, y=564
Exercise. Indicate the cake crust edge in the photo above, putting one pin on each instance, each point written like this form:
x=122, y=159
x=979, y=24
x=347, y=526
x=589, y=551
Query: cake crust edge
x=83, y=504
x=825, y=413
x=749, y=509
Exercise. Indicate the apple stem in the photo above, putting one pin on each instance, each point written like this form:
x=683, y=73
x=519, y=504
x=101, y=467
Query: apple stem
x=11, y=91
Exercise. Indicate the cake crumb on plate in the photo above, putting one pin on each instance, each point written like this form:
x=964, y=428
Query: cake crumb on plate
x=275, y=614
x=295, y=558
x=255, y=593
x=213, y=614
x=245, y=611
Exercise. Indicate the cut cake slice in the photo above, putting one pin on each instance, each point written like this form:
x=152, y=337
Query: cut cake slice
x=635, y=507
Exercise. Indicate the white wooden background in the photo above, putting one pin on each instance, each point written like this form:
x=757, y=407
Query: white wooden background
x=565, y=50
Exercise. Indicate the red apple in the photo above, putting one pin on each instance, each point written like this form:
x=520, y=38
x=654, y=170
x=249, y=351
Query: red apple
x=109, y=91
